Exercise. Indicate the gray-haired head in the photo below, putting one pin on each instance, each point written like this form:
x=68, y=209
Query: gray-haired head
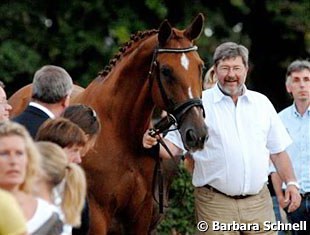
x=51, y=84
x=229, y=50
x=296, y=66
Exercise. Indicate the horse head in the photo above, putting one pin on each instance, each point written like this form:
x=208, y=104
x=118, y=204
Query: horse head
x=176, y=71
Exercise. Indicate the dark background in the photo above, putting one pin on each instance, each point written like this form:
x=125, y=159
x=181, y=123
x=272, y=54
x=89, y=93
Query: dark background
x=82, y=36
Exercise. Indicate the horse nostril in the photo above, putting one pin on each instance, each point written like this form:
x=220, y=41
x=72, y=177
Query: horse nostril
x=193, y=141
x=191, y=138
x=201, y=140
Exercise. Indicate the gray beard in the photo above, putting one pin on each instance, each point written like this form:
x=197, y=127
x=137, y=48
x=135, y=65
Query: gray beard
x=240, y=91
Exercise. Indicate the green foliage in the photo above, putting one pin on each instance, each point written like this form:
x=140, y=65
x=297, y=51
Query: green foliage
x=83, y=35
x=180, y=216
x=158, y=7
x=16, y=58
x=286, y=11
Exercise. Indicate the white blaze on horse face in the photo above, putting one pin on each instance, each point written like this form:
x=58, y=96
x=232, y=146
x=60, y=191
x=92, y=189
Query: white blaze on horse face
x=190, y=94
x=184, y=61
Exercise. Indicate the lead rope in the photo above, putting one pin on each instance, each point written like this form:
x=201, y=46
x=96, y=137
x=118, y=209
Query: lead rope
x=160, y=176
x=164, y=125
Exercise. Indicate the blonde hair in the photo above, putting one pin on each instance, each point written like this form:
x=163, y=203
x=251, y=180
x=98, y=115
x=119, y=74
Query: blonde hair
x=9, y=128
x=210, y=79
x=57, y=168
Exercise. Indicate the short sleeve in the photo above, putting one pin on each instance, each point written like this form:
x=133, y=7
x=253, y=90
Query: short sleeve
x=278, y=138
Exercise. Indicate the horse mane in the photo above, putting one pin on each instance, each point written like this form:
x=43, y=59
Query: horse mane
x=124, y=48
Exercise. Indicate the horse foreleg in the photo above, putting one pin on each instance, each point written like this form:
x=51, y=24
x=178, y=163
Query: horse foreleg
x=140, y=219
x=99, y=220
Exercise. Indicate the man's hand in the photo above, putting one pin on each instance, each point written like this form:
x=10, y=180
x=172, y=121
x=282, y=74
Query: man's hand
x=292, y=198
x=283, y=204
x=148, y=141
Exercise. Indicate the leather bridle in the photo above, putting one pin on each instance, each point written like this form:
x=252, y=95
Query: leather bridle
x=177, y=110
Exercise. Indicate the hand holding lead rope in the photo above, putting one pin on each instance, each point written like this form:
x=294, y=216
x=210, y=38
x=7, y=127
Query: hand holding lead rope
x=151, y=137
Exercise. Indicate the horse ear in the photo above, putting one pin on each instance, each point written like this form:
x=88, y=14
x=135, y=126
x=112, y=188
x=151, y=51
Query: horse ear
x=165, y=31
x=194, y=30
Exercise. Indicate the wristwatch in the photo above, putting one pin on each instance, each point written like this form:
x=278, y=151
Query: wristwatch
x=293, y=183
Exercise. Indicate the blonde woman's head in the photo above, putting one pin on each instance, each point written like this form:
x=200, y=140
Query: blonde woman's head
x=27, y=152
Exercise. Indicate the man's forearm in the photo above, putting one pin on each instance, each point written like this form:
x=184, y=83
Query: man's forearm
x=277, y=183
x=284, y=167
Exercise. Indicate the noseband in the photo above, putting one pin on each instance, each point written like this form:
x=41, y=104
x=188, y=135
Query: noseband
x=173, y=108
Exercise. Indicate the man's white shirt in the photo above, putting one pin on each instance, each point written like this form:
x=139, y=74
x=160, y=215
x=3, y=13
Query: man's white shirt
x=235, y=158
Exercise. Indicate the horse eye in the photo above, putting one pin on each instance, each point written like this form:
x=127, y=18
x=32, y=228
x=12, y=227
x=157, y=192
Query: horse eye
x=165, y=71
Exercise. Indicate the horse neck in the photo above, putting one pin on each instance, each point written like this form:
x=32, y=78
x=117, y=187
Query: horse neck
x=126, y=89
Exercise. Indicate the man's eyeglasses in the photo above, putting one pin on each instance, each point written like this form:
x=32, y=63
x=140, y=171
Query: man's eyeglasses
x=223, y=70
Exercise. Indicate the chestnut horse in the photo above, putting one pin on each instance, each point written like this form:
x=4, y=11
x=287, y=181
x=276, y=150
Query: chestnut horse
x=155, y=68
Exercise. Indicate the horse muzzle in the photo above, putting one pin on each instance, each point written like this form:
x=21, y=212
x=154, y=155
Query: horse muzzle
x=193, y=130
x=193, y=141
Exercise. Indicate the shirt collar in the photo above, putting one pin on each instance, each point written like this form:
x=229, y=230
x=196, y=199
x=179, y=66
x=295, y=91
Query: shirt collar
x=296, y=113
x=219, y=95
x=42, y=108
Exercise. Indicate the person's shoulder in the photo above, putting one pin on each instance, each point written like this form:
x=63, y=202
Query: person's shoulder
x=46, y=205
x=257, y=95
x=14, y=221
x=30, y=111
x=208, y=92
x=6, y=197
x=258, y=98
x=285, y=111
